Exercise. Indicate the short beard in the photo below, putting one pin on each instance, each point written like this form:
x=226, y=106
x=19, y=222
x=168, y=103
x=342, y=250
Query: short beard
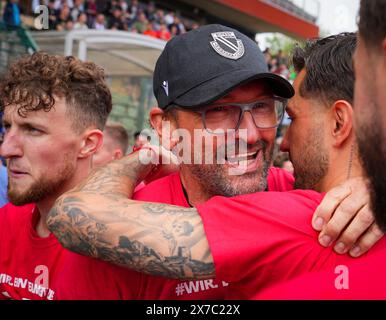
x=311, y=166
x=215, y=180
x=372, y=150
x=42, y=188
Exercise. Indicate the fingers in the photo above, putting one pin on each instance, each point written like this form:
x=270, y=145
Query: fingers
x=367, y=241
x=342, y=217
x=328, y=205
x=158, y=155
x=358, y=226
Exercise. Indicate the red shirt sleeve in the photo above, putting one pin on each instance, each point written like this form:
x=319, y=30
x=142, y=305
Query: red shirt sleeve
x=263, y=238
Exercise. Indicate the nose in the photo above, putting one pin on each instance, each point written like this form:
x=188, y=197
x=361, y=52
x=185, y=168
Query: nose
x=284, y=146
x=248, y=124
x=11, y=146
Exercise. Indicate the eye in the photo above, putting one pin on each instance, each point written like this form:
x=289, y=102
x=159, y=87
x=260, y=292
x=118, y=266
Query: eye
x=32, y=130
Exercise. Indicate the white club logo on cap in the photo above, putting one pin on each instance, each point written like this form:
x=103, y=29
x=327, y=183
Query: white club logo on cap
x=227, y=45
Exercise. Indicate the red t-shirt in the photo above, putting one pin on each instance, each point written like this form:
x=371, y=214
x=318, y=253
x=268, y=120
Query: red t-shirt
x=282, y=246
x=32, y=267
x=29, y=264
x=169, y=190
x=85, y=278
x=363, y=279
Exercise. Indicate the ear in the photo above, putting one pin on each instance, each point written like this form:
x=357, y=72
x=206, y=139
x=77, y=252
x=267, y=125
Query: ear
x=91, y=143
x=342, y=122
x=118, y=154
x=164, y=126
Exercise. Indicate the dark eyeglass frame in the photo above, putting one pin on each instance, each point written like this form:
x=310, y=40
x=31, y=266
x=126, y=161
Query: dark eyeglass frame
x=243, y=106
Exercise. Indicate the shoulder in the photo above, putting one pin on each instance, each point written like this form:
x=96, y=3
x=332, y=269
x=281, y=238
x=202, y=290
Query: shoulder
x=10, y=212
x=290, y=209
x=160, y=190
x=280, y=180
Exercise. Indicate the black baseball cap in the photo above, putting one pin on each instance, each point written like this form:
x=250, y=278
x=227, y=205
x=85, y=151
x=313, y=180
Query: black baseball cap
x=203, y=65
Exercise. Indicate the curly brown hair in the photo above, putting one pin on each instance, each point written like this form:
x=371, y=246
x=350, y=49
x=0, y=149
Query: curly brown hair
x=33, y=82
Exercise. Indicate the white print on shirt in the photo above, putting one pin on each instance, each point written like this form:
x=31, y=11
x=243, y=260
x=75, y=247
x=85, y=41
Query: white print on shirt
x=39, y=287
x=194, y=286
x=342, y=280
x=44, y=277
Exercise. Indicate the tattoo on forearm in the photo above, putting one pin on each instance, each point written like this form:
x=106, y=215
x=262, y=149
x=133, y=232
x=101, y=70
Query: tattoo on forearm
x=154, y=238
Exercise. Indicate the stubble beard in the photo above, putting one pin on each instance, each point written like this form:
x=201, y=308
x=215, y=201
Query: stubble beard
x=42, y=187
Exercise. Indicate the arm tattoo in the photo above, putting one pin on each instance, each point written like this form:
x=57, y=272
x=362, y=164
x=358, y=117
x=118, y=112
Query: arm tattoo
x=154, y=238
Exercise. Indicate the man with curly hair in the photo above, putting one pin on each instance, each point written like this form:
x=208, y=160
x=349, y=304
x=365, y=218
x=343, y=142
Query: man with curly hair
x=55, y=109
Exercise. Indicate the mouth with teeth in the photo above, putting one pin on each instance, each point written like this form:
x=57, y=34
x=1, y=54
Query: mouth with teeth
x=248, y=161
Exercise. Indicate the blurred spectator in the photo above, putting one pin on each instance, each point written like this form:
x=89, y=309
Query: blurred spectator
x=173, y=30
x=77, y=9
x=11, y=16
x=141, y=24
x=103, y=6
x=52, y=18
x=116, y=21
x=100, y=23
x=164, y=33
x=81, y=23
x=268, y=58
x=169, y=18
x=91, y=11
x=281, y=59
x=195, y=25
x=150, y=31
x=151, y=12
x=63, y=17
x=69, y=25
x=59, y=4
x=133, y=10
x=115, y=144
x=123, y=4
x=179, y=26
x=159, y=19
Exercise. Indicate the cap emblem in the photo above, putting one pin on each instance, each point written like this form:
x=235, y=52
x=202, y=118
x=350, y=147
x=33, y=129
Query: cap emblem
x=227, y=45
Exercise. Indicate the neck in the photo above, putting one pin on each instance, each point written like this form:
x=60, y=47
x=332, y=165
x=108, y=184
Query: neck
x=44, y=206
x=343, y=166
x=193, y=188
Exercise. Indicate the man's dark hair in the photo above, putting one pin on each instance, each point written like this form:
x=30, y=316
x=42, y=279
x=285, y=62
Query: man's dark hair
x=372, y=23
x=329, y=67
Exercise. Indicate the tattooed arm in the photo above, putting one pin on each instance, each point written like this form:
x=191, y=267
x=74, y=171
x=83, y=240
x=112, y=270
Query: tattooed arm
x=97, y=219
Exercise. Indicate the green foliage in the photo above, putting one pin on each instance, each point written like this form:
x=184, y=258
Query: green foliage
x=278, y=42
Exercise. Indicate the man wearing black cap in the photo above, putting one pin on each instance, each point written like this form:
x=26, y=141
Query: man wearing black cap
x=254, y=102
x=191, y=93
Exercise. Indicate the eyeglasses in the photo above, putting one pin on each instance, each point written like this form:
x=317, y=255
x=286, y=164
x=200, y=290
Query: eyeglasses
x=266, y=114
